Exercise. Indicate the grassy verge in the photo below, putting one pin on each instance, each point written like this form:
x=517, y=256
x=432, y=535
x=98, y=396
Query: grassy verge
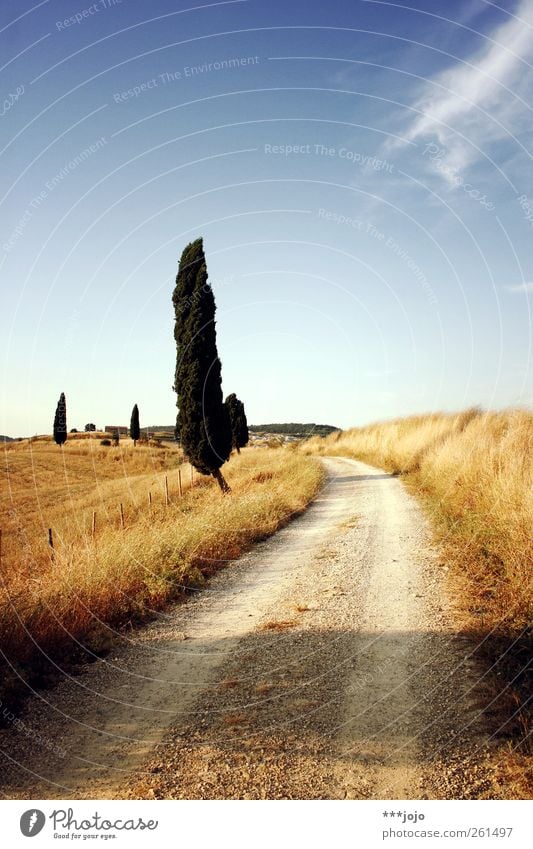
x=474, y=472
x=91, y=587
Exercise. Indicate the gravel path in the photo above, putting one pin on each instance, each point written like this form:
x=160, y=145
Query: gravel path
x=324, y=664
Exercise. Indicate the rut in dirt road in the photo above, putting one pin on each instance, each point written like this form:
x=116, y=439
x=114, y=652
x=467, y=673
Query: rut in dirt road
x=324, y=664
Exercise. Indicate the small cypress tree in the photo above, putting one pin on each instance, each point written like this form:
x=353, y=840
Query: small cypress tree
x=60, y=421
x=243, y=436
x=202, y=422
x=239, y=424
x=135, y=429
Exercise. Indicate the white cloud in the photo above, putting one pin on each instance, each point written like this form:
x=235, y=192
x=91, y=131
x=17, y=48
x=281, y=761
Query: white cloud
x=481, y=98
x=521, y=287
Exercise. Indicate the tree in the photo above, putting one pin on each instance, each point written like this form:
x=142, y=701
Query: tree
x=202, y=423
x=60, y=421
x=90, y=427
x=239, y=425
x=135, y=429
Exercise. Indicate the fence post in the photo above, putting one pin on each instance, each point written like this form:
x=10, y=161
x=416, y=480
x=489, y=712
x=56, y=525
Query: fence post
x=149, y=498
x=179, y=483
x=166, y=490
x=121, y=515
x=51, y=542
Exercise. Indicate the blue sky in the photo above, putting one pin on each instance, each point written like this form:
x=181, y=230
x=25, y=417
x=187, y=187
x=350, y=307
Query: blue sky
x=360, y=173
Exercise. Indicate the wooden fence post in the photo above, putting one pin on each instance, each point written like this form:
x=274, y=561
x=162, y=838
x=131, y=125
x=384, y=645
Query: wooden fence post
x=149, y=499
x=121, y=515
x=51, y=542
x=166, y=490
x=179, y=483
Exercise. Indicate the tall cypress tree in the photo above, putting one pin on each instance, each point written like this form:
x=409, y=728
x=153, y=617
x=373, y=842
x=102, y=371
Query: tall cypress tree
x=135, y=429
x=60, y=421
x=239, y=424
x=202, y=422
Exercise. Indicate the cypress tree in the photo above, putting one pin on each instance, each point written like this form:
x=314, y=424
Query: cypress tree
x=202, y=422
x=242, y=436
x=60, y=421
x=239, y=424
x=135, y=429
x=177, y=429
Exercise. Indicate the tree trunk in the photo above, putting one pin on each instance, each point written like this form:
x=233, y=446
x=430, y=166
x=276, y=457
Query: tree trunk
x=238, y=449
x=220, y=479
x=135, y=443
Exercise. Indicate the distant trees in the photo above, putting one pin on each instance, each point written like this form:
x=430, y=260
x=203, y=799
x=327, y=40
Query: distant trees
x=135, y=429
x=60, y=421
x=202, y=424
x=295, y=429
x=239, y=425
x=90, y=427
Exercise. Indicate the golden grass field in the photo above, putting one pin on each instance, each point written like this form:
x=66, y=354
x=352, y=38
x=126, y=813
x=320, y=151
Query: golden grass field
x=474, y=471
x=49, y=602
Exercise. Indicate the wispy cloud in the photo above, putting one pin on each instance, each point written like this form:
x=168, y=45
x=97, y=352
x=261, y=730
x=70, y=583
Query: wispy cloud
x=480, y=100
x=521, y=287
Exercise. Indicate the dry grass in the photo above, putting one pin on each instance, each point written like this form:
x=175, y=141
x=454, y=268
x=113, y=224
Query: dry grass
x=480, y=485
x=396, y=446
x=88, y=588
x=475, y=473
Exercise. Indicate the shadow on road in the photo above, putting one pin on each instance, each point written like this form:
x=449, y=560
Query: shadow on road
x=283, y=694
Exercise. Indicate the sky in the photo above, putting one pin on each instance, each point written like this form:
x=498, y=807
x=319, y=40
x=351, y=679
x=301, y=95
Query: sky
x=360, y=174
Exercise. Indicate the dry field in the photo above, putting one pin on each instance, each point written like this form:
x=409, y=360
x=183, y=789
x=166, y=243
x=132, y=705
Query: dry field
x=43, y=486
x=474, y=472
x=68, y=601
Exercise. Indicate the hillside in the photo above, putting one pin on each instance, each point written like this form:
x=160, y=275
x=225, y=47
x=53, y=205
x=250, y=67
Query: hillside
x=304, y=430
x=294, y=429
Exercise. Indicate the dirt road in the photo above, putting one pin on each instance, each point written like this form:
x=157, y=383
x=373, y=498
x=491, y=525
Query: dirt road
x=324, y=664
